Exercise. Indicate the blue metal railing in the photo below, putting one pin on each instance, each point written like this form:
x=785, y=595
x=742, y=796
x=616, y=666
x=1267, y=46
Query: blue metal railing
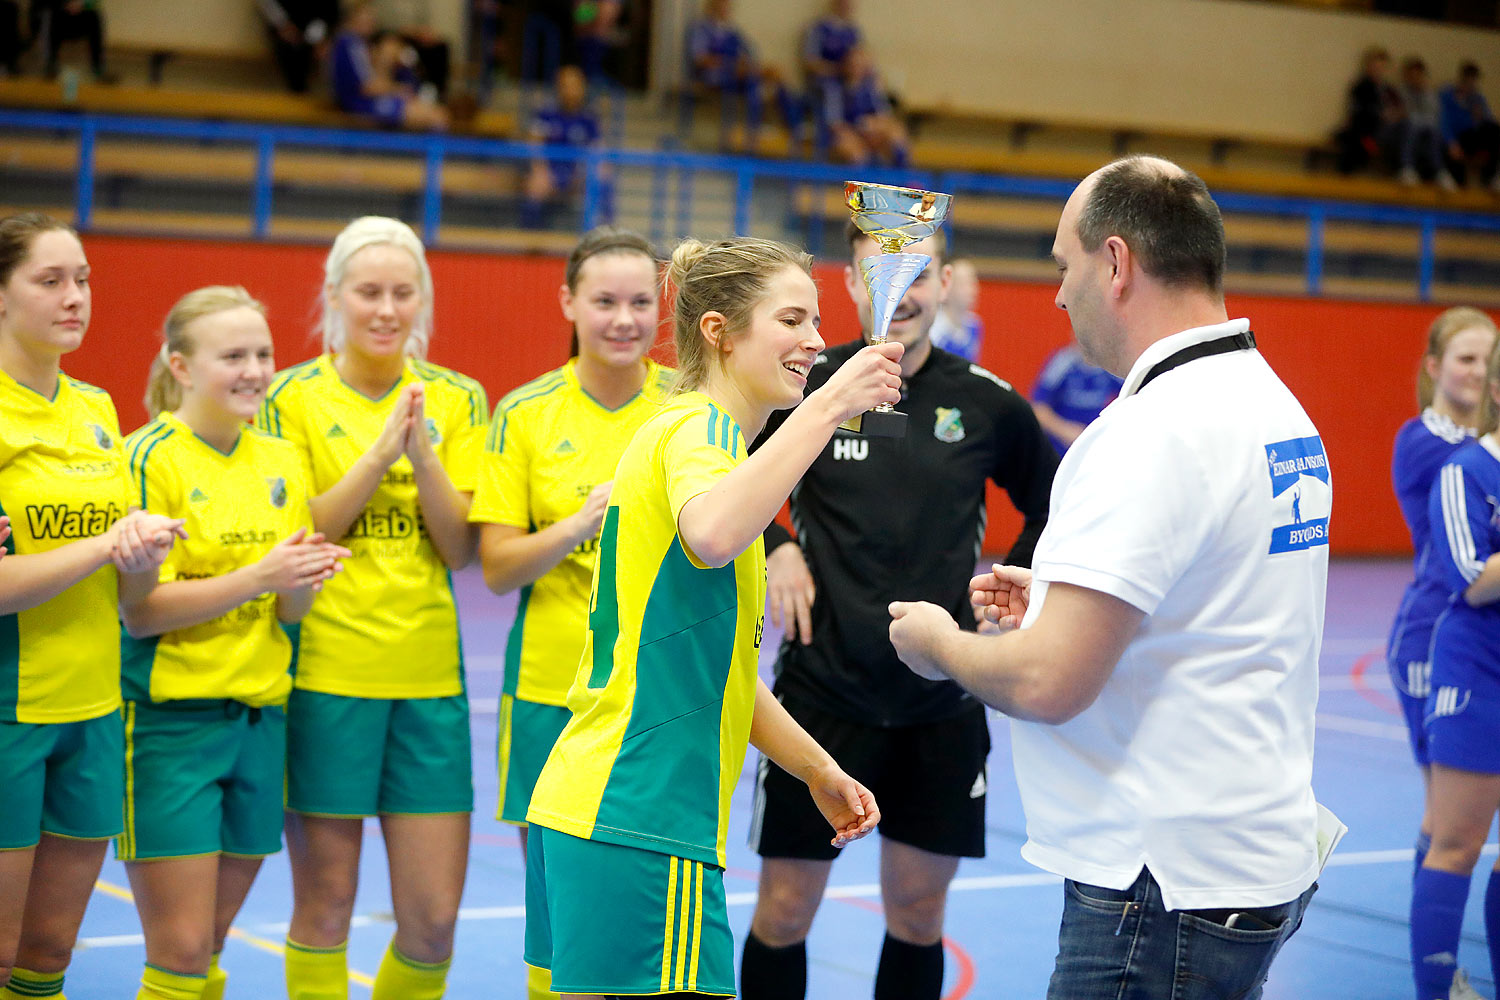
x=745, y=172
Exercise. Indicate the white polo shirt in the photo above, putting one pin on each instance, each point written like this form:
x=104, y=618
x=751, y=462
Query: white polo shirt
x=1202, y=499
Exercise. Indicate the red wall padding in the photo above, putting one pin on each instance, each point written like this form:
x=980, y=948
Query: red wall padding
x=1352, y=364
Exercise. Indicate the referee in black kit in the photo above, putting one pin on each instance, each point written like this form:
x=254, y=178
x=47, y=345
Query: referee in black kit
x=880, y=519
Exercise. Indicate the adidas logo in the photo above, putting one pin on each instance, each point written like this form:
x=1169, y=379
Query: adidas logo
x=980, y=786
x=566, y=448
x=197, y=496
x=335, y=432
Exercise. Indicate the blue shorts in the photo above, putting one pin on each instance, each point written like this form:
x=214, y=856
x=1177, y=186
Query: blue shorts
x=1463, y=710
x=1411, y=677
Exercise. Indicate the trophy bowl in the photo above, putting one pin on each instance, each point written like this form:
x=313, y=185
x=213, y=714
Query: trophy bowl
x=895, y=218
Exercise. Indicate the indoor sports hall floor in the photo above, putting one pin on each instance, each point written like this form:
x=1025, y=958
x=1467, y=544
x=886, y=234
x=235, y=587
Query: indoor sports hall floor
x=1003, y=914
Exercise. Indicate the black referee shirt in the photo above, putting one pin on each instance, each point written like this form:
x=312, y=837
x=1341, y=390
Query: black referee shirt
x=883, y=519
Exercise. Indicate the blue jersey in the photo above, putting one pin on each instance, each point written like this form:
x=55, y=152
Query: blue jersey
x=1423, y=444
x=855, y=101
x=830, y=39
x=554, y=126
x=1074, y=389
x=1465, y=515
x=721, y=40
x=962, y=339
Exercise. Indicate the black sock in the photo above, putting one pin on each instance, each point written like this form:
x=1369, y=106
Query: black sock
x=909, y=971
x=768, y=973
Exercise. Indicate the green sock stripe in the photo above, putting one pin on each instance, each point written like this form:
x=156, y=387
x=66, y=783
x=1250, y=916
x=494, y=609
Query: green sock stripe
x=176, y=975
x=25, y=983
x=421, y=966
x=309, y=949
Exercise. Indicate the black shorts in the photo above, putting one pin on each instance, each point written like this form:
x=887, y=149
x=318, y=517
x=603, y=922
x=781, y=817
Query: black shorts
x=929, y=781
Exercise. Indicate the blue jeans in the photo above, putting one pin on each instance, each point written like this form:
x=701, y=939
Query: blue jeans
x=1121, y=944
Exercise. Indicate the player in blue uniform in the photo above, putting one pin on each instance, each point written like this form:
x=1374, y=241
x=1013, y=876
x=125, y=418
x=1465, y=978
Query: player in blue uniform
x=1463, y=707
x=1069, y=394
x=1450, y=389
x=567, y=122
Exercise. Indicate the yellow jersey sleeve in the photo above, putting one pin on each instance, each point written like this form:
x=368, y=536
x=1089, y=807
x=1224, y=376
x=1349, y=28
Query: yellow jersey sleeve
x=502, y=494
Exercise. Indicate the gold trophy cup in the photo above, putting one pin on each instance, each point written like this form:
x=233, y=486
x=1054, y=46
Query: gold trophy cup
x=895, y=218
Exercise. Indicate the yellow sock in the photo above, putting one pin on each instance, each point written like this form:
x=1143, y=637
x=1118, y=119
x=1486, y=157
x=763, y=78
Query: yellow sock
x=401, y=978
x=316, y=973
x=159, y=984
x=538, y=984
x=217, y=979
x=26, y=985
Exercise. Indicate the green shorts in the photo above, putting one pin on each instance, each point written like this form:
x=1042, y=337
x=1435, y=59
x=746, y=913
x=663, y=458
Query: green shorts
x=374, y=756
x=63, y=778
x=202, y=777
x=527, y=731
x=623, y=921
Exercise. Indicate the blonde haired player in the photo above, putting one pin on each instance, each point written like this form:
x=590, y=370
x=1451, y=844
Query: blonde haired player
x=205, y=658
x=635, y=794
x=550, y=455
x=63, y=486
x=378, y=721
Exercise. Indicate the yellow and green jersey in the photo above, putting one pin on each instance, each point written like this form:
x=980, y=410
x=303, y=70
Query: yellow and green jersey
x=62, y=479
x=665, y=687
x=236, y=506
x=387, y=626
x=550, y=443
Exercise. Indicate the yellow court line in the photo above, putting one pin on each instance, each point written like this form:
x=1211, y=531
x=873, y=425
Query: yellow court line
x=254, y=940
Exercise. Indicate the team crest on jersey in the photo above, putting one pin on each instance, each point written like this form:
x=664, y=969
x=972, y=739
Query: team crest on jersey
x=949, y=425
x=1301, y=493
x=101, y=437
x=278, y=491
x=433, y=434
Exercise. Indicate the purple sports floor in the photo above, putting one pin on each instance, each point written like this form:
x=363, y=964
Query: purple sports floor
x=1003, y=914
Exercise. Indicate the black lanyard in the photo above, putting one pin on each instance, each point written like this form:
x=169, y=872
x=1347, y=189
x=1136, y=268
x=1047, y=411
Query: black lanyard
x=1221, y=345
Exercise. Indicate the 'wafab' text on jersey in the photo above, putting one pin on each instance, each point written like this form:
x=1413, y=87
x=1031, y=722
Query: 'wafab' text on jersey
x=387, y=626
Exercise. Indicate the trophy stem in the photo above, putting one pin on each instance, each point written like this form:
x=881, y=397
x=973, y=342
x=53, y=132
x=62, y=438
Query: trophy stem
x=887, y=278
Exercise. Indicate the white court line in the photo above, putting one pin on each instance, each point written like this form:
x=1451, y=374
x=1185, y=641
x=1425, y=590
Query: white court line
x=1361, y=727
x=861, y=890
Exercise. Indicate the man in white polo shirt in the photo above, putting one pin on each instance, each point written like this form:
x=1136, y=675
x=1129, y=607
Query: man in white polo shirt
x=1164, y=672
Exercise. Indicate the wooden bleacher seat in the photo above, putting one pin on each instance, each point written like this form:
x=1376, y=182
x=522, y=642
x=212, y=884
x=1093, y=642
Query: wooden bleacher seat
x=259, y=106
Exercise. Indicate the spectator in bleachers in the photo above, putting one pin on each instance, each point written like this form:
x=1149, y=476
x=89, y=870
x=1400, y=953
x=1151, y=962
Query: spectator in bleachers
x=1372, y=129
x=567, y=121
x=957, y=328
x=374, y=81
x=721, y=62
x=864, y=129
x=1069, y=394
x=58, y=21
x=1421, y=153
x=300, y=32
x=1471, y=136
x=826, y=44
x=412, y=20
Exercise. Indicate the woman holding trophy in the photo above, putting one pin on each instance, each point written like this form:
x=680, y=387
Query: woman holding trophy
x=635, y=792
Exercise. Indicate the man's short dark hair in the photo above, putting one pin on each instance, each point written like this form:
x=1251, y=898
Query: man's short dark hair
x=853, y=234
x=1165, y=216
